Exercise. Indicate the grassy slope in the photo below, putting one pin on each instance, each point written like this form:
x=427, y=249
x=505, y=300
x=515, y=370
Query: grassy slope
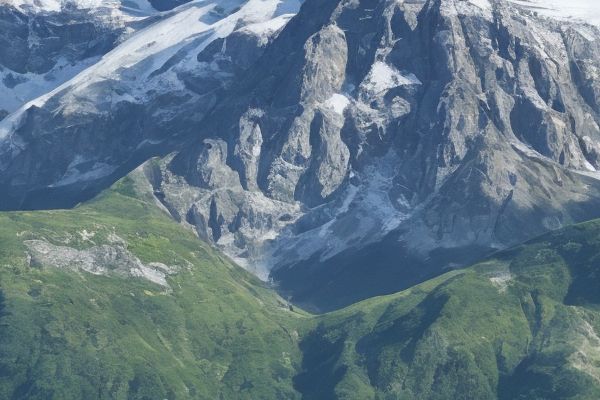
x=68, y=335
x=520, y=326
x=472, y=334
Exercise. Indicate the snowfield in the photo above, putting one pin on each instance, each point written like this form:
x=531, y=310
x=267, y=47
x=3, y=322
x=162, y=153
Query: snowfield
x=583, y=10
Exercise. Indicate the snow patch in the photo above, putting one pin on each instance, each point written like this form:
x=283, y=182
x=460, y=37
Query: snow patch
x=29, y=86
x=365, y=214
x=74, y=174
x=337, y=103
x=384, y=77
x=265, y=30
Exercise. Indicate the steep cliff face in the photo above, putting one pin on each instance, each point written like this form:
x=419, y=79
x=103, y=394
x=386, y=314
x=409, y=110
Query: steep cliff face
x=376, y=141
x=360, y=149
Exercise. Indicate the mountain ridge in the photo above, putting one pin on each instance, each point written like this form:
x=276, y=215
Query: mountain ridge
x=286, y=199
x=522, y=323
x=421, y=131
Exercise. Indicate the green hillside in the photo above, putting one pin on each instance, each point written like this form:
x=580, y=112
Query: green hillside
x=214, y=333
x=523, y=325
x=114, y=300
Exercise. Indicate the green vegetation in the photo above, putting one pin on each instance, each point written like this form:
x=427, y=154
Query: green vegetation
x=217, y=333
x=522, y=325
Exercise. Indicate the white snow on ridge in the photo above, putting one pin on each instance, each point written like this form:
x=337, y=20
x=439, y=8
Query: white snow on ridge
x=337, y=103
x=265, y=29
x=35, y=85
x=133, y=62
x=581, y=10
x=150, y=48
x=18, y=89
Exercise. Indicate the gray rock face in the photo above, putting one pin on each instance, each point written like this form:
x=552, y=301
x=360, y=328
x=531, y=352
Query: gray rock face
x=34, y=43
x=394, y=133
x=366, y=146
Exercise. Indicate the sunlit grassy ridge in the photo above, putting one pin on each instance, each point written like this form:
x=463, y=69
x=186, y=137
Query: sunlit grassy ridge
x=522, y=325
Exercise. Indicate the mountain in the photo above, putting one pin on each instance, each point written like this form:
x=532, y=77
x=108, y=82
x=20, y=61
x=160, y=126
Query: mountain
x=356, y=150
x=114, y=300
x=412, y=136
x=287, y=199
